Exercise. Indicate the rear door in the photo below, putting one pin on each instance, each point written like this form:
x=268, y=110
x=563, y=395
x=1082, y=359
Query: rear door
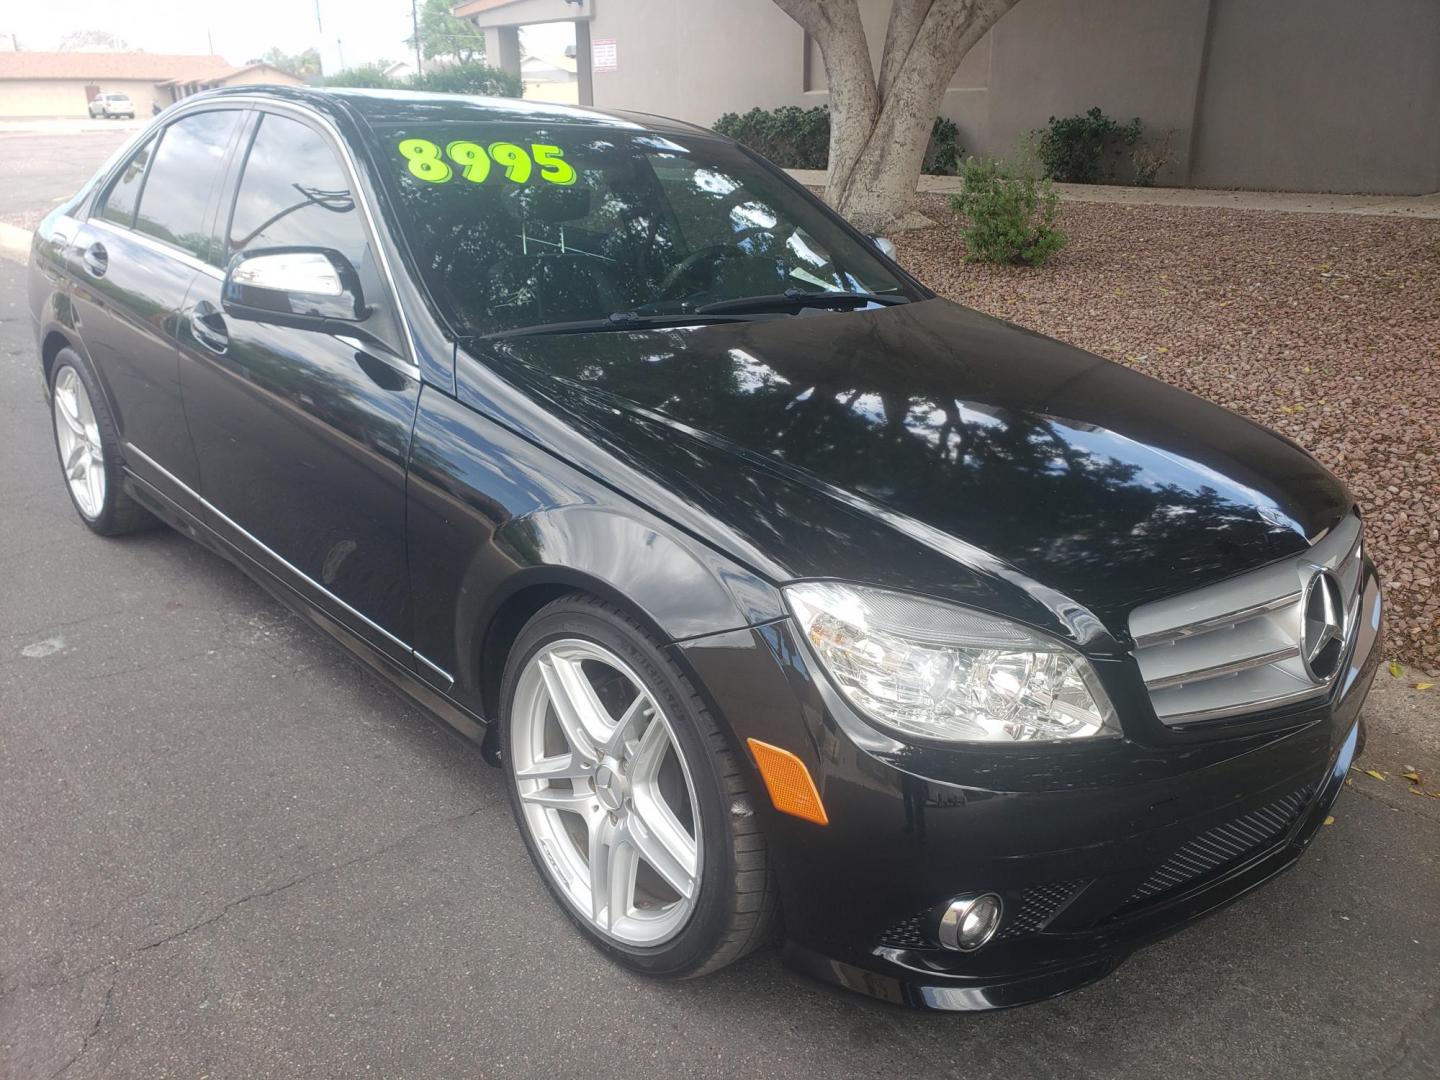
x=302, y=437
x=147, y=238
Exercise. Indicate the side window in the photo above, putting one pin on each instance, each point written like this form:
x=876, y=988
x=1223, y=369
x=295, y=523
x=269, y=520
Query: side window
x=295, y=191
x=183, y=175
x=124, y=193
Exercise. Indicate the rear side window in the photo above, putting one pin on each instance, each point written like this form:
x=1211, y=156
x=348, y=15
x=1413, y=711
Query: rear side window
x=182, y=177
x=124, y=193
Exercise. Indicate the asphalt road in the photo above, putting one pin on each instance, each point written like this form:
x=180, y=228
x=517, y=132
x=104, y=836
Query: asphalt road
x=228, y=850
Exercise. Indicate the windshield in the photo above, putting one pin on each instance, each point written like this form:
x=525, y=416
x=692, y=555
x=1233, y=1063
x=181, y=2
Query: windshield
x=519, y=226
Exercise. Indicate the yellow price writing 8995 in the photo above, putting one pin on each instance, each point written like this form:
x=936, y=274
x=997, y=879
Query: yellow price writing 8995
x=426, y=161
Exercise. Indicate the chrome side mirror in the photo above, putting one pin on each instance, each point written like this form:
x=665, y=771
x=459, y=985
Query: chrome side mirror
x=303, y=287
x=885, y=246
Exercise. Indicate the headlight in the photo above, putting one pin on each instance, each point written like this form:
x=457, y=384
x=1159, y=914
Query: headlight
x=926, y=668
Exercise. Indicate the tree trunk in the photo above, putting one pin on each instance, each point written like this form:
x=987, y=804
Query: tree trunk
x=879, y=128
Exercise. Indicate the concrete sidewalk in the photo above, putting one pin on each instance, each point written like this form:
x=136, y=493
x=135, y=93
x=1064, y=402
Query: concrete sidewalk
x=1290, y=202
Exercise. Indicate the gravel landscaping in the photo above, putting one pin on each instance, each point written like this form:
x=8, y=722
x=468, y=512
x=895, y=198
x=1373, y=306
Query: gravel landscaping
x=1323, y=327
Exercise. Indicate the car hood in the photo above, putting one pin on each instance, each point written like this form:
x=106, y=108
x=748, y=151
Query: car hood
x=1092, y=479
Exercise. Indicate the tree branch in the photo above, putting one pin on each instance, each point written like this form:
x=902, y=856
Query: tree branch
x=906, y=18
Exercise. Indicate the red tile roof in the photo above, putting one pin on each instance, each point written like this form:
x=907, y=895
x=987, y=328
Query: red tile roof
x=99, y=66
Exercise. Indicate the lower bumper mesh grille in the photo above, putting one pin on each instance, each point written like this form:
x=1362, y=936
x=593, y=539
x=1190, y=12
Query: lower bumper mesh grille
x=1221, y=846
x=908, y=934
x=1038, y=905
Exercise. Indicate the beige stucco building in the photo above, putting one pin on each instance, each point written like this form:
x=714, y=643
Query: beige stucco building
x=1303, y=95
x=35, y=84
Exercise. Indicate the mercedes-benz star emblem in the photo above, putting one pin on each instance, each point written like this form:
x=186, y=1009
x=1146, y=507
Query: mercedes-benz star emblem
x=1322, y=634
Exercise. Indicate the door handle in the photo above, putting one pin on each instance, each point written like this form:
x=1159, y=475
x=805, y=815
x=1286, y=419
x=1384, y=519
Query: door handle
x=207, y=324
x=96, y=259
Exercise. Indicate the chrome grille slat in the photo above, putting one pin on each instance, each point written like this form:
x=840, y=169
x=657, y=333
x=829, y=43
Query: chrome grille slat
x=1218, y=622
x=1219, y=671
x=1235, y=647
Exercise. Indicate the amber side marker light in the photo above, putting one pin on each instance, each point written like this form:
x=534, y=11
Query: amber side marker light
x=788, y=781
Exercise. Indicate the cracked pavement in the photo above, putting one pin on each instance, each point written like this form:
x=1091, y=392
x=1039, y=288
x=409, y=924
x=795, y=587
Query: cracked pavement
x=228, y=850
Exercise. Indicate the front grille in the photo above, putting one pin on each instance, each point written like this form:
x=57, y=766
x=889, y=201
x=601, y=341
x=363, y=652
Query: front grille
x=1038, y=905
x=1222, y=846
x=1235, y=647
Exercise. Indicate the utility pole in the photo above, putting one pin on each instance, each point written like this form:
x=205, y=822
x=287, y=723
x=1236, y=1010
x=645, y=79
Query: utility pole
x=319, y=39
x=415, y=27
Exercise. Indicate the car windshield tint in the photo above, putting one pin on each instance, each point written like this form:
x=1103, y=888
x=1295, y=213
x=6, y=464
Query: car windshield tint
x=515, y=227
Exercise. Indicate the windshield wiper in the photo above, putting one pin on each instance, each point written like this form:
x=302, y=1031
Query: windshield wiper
x=798, y=298
x=620, y=320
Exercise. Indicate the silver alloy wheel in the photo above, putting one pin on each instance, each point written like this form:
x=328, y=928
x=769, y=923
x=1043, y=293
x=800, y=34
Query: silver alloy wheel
x=605, y=792
x=78, y=437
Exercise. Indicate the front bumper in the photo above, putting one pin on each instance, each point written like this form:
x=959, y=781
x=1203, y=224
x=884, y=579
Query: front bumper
x=1095, y=850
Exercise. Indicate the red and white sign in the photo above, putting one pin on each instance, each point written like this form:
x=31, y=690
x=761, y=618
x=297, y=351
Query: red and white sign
x=603, y=55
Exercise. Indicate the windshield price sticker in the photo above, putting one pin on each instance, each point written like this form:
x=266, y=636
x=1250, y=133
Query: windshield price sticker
x=426, y=161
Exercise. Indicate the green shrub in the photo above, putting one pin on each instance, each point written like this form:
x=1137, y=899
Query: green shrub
x=790, y=136
x=1083, y=149
x=796, y=138
x=1010, y=214
x=943, y=155
x=367, y=77
x=469, y=78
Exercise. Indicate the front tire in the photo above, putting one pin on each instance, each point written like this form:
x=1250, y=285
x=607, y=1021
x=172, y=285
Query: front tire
x=88, y=444
x=632, y=804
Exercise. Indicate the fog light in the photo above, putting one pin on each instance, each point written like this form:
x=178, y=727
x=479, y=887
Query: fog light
x=970, y=921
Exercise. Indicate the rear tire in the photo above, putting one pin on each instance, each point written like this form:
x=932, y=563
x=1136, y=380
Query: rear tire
x=88, y=445
x=582, y=659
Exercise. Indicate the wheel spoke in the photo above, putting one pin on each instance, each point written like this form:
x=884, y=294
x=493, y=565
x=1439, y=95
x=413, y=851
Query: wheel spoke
x=84, y=411
x=95, y=481
x=619, y=877
x=649, y=754
x=569, y=766
x=664, y=845
x=624, y=727
x=574, y=802
x=602, y=838
x=576, y=707
x=68, y=413
x=79, y=466
x=72, y=459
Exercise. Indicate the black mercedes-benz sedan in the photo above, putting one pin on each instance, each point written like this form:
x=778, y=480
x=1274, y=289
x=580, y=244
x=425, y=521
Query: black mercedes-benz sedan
x=782, y=592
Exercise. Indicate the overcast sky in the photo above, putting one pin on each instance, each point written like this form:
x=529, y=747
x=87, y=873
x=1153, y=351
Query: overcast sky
x=365, y=30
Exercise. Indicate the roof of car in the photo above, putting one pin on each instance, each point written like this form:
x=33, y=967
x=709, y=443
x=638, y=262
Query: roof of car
x=410, y=106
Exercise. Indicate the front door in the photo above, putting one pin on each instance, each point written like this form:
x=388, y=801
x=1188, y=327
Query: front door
x=302, y=437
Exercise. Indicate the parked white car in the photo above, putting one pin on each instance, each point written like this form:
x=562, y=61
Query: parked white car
x=112, y=105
